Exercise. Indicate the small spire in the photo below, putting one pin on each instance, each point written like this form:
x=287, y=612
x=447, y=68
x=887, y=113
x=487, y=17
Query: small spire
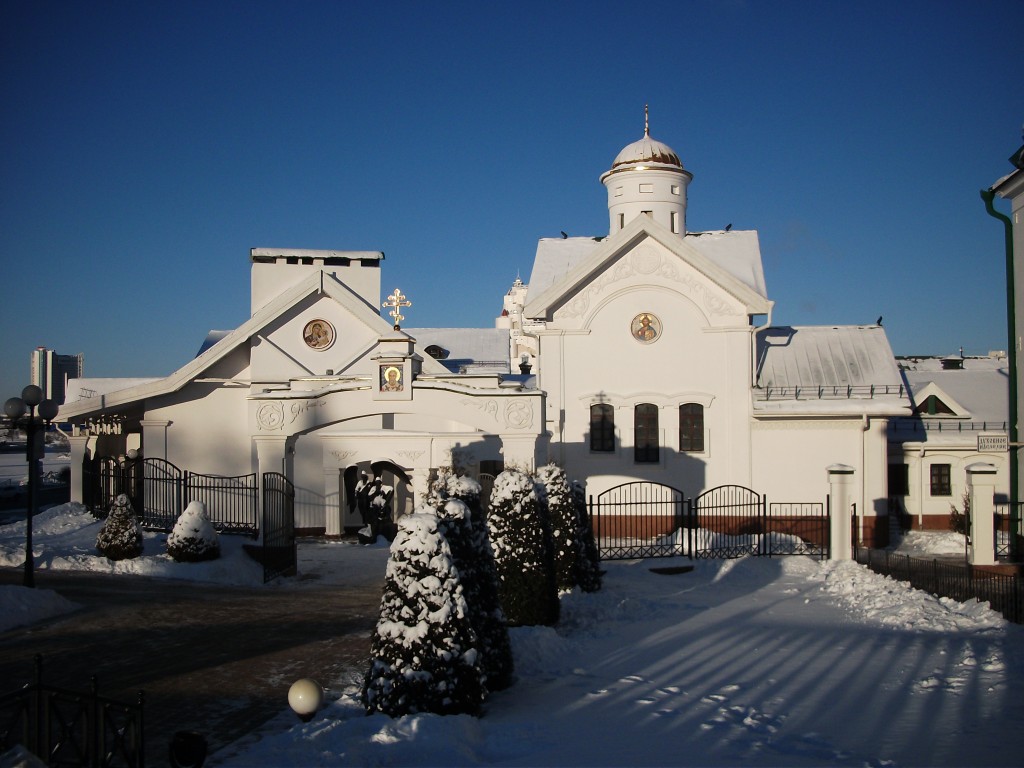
x=647, y=124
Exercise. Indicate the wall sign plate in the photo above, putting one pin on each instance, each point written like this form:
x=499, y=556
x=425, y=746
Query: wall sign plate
x=318, y=334
x=646, y=327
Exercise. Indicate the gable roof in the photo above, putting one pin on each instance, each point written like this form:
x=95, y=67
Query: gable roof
x=730, y=260
x=315, y=283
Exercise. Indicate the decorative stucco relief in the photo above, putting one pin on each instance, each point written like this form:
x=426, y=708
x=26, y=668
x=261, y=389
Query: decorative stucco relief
x=645, y=261
x=518, y=414
x=489, y=406
x=306, y=405
x=342, y=455
x=410, y=455
x=270, y=416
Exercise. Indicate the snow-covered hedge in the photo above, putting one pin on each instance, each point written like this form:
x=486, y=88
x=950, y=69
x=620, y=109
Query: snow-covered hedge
x=521, y=539
x=120, y=538
x=457, y=501
x=423, y=655
x=193, y=539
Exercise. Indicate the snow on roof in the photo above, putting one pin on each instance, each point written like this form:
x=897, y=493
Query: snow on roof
x=85, y=389
x=981, y=387
x=814, y=369
x=737, y=252
x=468, y=349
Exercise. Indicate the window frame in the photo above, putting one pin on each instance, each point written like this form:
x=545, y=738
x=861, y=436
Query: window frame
x=646, y=434
x=602, y=429
x=691, y=428
x=940, y=479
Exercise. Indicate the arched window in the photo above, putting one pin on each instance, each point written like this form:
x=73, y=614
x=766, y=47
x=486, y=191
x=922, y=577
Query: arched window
x=602, y=428
x=691, y=427
x=645, y=434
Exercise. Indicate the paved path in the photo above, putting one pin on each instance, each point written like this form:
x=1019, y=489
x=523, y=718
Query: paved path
x=212, y=659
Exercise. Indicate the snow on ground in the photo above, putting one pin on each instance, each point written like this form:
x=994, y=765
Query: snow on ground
x=761, y=662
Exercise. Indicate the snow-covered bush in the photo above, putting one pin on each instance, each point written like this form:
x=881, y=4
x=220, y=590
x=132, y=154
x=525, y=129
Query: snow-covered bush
x=423, y=655
x=521, y=540
x=588, y=574
x=120, y=537
x=193, y=539
x=564, y=525
x=463, y=525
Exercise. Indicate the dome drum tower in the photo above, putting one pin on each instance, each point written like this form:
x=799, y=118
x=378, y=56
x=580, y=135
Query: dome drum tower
x=647, y=178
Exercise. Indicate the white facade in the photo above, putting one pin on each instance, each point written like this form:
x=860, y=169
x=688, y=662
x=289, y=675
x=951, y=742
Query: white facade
x=662, y=334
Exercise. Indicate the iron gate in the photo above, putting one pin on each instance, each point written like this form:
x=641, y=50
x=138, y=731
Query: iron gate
x=279, y=556
x=733, y=521
x=640, y=519
x=644, y=519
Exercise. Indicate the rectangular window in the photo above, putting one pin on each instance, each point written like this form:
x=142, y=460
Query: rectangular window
x=691, y=428
x=675, y=222
x=602, y=428
x=941, y=485
x=899, y=480
x=645, y=434
x=622, y=220
x=647, y=188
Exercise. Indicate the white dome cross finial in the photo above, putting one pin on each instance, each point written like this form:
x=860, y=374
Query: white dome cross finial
x=647, y=124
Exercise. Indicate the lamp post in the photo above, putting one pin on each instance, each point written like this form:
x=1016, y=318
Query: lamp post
x=15, y=408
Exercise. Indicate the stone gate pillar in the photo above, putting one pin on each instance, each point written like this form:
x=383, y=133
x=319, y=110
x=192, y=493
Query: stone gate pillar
x=79, y=452
x=271, y=455
x=840, y=487
x=981, y=479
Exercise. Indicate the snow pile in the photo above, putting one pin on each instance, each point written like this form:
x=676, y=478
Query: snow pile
x=884, y=601
x=23, y=605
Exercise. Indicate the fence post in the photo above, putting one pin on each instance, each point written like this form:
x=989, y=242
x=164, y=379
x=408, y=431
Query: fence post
x=840, y=481
x=981, y=478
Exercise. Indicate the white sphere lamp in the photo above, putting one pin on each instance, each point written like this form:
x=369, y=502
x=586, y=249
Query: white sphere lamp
x=305, y=697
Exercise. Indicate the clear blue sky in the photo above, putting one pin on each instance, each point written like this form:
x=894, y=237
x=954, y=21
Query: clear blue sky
x=148, y=146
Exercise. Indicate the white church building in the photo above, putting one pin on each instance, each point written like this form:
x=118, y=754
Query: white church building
x=644, y=353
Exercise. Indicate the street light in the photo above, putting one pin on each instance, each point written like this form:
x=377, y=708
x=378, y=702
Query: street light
x=15, y=408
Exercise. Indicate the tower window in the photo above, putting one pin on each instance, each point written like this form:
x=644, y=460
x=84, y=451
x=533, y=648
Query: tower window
x=648, y=213
x=618, y=191
x=675, y=189
x=622, y=220
x=647, y=188
x=675, y=221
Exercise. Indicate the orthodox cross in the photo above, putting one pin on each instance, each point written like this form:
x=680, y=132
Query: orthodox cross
x=396, y=301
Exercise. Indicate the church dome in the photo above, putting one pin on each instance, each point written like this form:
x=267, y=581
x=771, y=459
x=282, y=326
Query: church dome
x=646, y=153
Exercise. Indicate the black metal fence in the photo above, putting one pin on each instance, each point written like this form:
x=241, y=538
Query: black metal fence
x=641, y=519
x=159, y=492
x=644, y=519
x=279, y=557
x=957, y=580
x=71, y=728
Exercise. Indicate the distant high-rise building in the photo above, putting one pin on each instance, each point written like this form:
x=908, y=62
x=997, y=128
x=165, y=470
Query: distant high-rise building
x=50, y=372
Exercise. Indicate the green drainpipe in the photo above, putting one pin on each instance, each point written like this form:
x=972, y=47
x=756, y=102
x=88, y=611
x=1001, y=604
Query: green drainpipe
x=1011, y=329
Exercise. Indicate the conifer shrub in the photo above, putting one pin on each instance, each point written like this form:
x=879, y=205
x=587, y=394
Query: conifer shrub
x=193, y=539
x=589, y=573
x=564, y=526
x=423, y=654
x=120, y=537
x=457, y=498
x=520, y=535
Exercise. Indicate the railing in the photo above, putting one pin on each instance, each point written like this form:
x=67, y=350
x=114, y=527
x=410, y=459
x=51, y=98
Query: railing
x=959, y=581
x=71, y=728
x=821, y=392
x=159, y=492
x=947, y=425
